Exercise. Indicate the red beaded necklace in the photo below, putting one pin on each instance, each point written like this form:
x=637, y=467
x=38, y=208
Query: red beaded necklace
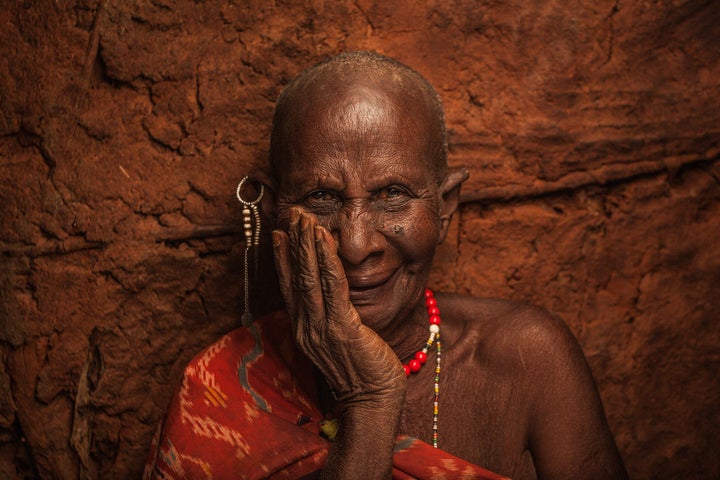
x=416, y=363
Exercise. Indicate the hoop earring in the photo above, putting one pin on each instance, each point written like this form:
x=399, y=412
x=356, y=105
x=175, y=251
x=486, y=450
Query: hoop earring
x=251, y=226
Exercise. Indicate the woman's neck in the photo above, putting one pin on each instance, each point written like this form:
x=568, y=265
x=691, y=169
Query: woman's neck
x=409, y=333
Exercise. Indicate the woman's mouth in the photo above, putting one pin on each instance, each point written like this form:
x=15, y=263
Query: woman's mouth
x=366, y=288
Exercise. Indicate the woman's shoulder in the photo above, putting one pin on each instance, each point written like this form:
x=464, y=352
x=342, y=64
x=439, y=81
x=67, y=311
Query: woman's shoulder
x=495, y=314
x=507, y=329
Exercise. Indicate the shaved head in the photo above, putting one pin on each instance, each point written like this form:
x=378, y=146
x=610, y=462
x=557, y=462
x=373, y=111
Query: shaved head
x=351, y=74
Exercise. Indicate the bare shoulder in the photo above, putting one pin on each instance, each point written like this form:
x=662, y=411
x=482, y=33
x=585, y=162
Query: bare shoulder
x=519, y=343
x=539, y=374
x=508, y=329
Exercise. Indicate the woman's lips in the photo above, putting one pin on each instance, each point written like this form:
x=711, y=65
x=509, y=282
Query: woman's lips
x=365, y=289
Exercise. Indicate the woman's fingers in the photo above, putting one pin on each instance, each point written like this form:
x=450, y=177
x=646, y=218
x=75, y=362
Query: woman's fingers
x=306, y=280
x=328, y=329
x=332, y=276
x=302, y=238
x=281, y=252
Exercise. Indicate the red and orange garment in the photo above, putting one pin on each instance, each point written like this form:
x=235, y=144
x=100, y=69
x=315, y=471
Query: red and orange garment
x=247, y=408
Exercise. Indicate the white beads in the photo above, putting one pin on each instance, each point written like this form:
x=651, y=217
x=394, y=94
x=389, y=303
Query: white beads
x=251, y=228
x=434, y=329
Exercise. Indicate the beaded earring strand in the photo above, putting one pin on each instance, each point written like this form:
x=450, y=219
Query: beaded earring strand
x=414, y=365
x=251, y=226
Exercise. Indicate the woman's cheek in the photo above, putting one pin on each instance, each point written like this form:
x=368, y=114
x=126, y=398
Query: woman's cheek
x=416, y=233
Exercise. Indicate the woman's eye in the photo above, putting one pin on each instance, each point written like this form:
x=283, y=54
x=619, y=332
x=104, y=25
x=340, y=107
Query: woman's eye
x=321, y=202
x=392, y=193
x=318, y=195
x=392, y=198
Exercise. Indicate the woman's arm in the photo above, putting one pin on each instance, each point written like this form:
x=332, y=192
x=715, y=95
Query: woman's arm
x=569, y=435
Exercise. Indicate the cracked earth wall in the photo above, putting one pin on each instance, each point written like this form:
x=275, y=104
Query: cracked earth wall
x=590, y=130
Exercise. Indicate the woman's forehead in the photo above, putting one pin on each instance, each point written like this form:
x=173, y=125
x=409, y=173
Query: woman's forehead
x=368, y=160
x=357, y=126
x=375, y=167
x=371, y=146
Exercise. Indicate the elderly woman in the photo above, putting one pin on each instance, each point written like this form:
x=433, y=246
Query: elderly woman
x=367, y=373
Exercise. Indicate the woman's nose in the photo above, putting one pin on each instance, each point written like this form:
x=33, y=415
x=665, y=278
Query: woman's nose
x=357, y=236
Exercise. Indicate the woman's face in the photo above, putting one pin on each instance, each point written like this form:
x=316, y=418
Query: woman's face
x=360, y=161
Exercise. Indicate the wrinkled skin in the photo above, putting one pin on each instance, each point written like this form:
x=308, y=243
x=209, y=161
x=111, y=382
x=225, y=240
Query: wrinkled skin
x=360, y=210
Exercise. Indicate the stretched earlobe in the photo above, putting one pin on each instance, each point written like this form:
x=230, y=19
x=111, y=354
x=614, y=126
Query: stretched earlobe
x=260, y=178
x=450, y=198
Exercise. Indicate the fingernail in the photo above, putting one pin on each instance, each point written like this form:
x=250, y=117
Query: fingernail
x=304, y=222
x=276, y=238
x=294, y=215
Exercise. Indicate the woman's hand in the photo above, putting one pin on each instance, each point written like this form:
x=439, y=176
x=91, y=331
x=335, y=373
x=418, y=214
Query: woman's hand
x=358, y=365
x=365, y=374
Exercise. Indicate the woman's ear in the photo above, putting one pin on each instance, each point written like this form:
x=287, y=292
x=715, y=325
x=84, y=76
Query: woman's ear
x=268, y=202
x=449, y=198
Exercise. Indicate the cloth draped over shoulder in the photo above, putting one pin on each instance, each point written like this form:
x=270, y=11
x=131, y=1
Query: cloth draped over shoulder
x=247, y=408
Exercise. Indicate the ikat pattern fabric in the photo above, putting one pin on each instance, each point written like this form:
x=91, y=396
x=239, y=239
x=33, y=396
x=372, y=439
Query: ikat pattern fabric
x=246, y=408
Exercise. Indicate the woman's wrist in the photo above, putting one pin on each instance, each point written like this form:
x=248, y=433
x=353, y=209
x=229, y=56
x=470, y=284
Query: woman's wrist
x=364, y=445
x=388, y=396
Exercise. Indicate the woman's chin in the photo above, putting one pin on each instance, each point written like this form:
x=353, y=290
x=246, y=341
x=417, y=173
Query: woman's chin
x=368, y=313
x=375, y=316
x=381, y=307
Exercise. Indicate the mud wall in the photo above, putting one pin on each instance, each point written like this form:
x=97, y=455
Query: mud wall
x=590, y=129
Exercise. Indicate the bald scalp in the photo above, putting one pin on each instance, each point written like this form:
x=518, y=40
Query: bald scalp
x=344, y=71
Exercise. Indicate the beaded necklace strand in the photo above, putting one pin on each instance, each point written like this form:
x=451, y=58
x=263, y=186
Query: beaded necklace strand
x=416, y=363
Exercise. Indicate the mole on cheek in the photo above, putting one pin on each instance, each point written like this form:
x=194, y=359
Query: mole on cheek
x=398, y=230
